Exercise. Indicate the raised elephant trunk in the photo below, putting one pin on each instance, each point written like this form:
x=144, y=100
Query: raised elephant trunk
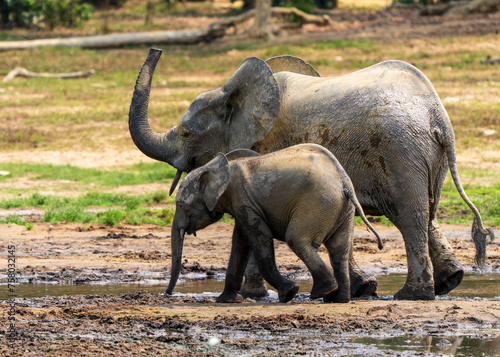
x=177, y=244
x=145, y=138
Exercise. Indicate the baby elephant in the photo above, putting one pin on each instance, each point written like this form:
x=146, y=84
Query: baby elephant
x=300, y=195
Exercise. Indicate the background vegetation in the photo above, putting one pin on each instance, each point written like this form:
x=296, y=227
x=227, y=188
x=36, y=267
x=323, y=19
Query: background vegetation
x=42, y=118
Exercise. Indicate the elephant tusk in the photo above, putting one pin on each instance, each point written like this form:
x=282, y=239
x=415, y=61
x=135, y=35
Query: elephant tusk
x=182, y=232
x=175, y=182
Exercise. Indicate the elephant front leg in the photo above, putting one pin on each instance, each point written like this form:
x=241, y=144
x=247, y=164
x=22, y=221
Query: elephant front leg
x=262, y=244
x=448, y=271
x=339, y=247
x=254, y=286
x=240, y=251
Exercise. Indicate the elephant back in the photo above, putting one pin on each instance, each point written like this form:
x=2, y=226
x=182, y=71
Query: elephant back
x=291, y=64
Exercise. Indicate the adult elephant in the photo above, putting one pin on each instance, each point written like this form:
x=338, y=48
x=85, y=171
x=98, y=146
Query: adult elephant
x=385, y=124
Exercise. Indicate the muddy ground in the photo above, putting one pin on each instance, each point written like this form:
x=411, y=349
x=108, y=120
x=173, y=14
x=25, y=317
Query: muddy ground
x=144, y=323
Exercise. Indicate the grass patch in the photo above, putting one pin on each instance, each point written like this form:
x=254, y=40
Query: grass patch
x=90, y=199
x=453, y=209
x=134, y=175
x=13, y=219
x=160, y=217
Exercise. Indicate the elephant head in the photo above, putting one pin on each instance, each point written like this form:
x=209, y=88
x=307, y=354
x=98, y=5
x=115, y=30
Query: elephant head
x=196, y=204
x=236, y=115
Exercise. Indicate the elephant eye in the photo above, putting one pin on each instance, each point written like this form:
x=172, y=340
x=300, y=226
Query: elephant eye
x=186, y=134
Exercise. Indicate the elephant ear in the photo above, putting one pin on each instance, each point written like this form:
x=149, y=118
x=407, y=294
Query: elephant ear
x=239, y=153
x=214, y=180
x=291, y=64
x=253, y=103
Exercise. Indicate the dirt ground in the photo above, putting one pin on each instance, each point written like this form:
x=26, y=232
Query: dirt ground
x=144, y=323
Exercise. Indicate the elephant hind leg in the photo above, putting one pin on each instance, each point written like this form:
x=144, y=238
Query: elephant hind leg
x=448, y=272
x=300, y=240
x=339, y=248
x=419, y=281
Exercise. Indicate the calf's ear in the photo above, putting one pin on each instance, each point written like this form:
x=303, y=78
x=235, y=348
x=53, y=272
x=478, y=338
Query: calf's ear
x=214, y=180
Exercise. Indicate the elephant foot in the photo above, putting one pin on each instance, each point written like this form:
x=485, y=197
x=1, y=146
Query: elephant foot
x=254, y=291
x=231, y=297
x=323, y=289
x=338, y=296
x=289, y=292
x=363, y=285
x=447, y=280
x=407, y=294
x=254, y=287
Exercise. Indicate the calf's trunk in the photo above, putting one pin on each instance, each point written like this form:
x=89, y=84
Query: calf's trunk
x=177, y=245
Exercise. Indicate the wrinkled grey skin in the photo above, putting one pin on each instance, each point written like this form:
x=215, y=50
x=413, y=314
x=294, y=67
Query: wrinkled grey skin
x=385, y=124
x=300, y=195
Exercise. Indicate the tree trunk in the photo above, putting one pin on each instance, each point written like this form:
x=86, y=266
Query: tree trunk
x=4, y=13
x=262, y=26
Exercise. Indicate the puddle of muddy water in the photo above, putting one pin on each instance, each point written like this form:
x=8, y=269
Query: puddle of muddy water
x=473, y=286
x=440, y=345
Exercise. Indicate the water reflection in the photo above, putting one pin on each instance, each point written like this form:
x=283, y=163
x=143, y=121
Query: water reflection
x=454, y=346
x=474, y=285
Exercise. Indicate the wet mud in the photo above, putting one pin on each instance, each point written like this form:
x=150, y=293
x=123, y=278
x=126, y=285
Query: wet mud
x=144, y=323
x=141, y=322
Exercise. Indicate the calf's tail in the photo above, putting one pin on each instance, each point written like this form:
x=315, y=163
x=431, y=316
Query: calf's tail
x=352, y=196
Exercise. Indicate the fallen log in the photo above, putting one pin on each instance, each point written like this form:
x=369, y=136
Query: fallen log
x=475, y=7
x=319, y=20
x=491, y=60
x=462, y=7
x=210, y=33
x=113, y=40
x=23, y=72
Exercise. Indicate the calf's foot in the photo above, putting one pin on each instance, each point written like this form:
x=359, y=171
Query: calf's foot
x=413, y=294
x=338, y=296
x=288, y=292
x=323, y=288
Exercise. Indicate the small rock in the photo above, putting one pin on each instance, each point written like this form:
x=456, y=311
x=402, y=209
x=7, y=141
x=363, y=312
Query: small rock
x=444, y=344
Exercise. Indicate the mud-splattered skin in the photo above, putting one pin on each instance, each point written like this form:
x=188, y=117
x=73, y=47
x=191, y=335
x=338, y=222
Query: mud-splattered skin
x=385, y=124
x=300, y=195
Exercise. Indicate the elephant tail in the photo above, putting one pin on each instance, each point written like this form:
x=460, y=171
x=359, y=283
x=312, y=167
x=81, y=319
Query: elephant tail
x=349, y=191
x=478, y=233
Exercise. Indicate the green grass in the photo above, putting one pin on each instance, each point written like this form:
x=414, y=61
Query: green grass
x=160, y=217
x=90, y=199
x=453, y=209
x=13, y=219
x=133, y=175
